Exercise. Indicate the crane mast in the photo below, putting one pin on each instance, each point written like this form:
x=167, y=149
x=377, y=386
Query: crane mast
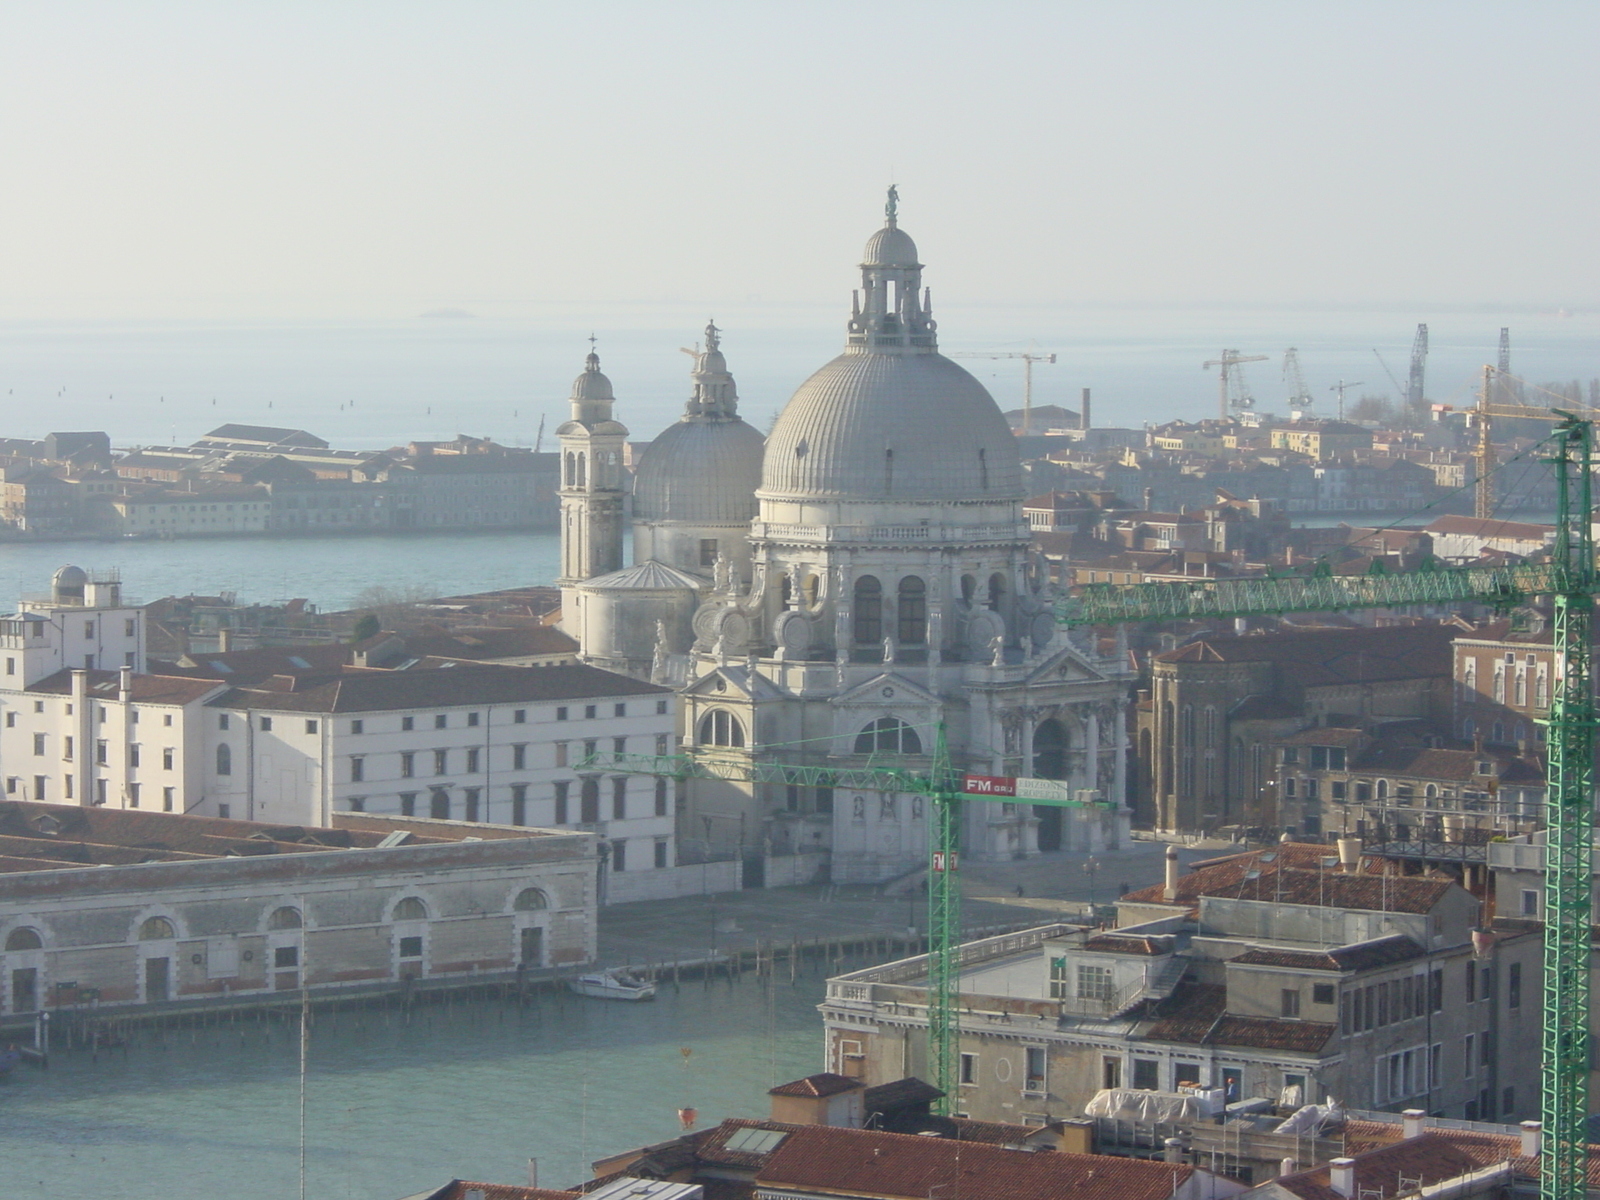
x=1419, y=361
x=1231, y=371
x=1300, y=398
x=1028, y=358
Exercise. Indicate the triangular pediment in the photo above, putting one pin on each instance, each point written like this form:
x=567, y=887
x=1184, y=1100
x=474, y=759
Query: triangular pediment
x=1066, y=665
x=737, y=683
x=887, y=688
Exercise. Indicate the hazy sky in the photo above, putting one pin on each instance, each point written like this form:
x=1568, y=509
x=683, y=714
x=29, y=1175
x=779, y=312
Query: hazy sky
x=335, y=158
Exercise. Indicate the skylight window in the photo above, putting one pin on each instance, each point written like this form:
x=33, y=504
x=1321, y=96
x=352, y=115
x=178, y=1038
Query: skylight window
x=296, y=660
x=756, y=1141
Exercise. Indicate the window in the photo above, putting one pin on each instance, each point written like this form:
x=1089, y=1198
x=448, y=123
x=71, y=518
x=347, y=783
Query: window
x=408, y=804
x=166, y=719
x=411, y=947
x=441, y=721
x=1146, y=1075
x=911, y=612
x=1436, y=990
x=721, y=728
x=168, y=798
x=561, y=754
x=472, y=718
x=38, y=745
x=408, y=765
x=133, y=795
x=969, y=1069
x=311, y=726
x=38, y=786
x=619, y=745
x=661, y=853
x=407, y=724
x=224, y=760
x=561, y=788
x=266, y=724
x=1469, y=1060
x=439, y=804
x=589, y=711
x=1094, y=982
x=1472, y=981
x=471, y=796
x=358, y=769
x=358, y=727
x=441, y=762
x=1514, y=986
x=561, y=714
x=888, y=735
x=11, y=720
x=1289, y=1002
x=619, y=854
x=661, y=796
x=1530, y=902
x=1034, y=1069
x=285, y=956
x=708, y=552
x=619, y=710
x=472, y=760
x=619, y=798
x=1322, y=993
x=101, y=753
x=519, y=717
x=1110, y=1072
x=519, y=804
x=661, y=708
x=589, y=801
x=156, y=929
x=868, y=612
x=167, y=758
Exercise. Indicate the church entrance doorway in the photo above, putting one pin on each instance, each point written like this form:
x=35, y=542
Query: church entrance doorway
x=1049, y=762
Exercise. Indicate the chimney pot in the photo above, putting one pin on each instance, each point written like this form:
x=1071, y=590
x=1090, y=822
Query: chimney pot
x=1532, y=1139
x=1287, y=1166
x=1169, y=890
x=1350, y=855
x=1413, y=1121
x=1342, y=1177
x=1174, y=1150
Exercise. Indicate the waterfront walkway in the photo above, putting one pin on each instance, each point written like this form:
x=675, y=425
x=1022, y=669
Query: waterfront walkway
x=1053, y=886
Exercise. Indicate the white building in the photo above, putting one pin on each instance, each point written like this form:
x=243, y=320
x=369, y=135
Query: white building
x=483, y=743
x=841, y=593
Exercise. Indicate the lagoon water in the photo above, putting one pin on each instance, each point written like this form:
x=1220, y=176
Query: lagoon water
x=471, y=1091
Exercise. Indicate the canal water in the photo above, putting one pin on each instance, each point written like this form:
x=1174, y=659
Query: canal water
x=396, y=1103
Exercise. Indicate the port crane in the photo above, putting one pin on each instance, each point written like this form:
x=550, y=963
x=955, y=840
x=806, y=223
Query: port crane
x=1231, y=363
x=1028, y=358
x=1300, y=397
x=1569, y=579
x=1342, y=387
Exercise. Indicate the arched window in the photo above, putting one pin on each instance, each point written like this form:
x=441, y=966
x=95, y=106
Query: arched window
x=719, y=727
x=911, y=613
x=578, y=482
x=530, y=900
x=23, y=938
x=969, y=588
x=571, y=472
x=888, y=735
x=997, y=590
x=868, y=611
x=155, y=929
x=286, y=917
x=1499, y=732
x=1383, y=789
x=224, y=760
x=411, y=909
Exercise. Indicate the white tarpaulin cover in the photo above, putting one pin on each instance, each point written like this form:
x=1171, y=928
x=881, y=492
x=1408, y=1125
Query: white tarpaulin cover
x=1129, y=1104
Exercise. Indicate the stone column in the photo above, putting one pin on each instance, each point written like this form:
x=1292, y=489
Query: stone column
x=1119, y=781
x=1091, y=764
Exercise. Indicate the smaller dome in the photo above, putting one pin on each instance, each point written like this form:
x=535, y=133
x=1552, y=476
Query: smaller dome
x=71, y=577
x=891, y=246
x=592, y=385
x=700, y=471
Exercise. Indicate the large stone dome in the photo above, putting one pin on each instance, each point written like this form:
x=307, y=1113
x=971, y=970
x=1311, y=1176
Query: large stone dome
x=700, y=470
x=875, y=426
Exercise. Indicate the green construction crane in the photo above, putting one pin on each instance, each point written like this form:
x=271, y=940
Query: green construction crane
x=1570, y=580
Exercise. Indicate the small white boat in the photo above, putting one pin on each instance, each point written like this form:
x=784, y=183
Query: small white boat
x=613, y=985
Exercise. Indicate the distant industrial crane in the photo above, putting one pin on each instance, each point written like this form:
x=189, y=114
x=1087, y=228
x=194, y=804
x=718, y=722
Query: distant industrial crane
x=1482, y=418
x=1342, y=387
x=1300, y=397
x=1509, y=391
x=1028, y=358
x=1230, y=363
x=1399, y=388
x=1419, y=360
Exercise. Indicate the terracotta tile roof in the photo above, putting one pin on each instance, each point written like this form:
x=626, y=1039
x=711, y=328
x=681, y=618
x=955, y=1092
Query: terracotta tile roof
x=362, y=691
x=852, y=1162
x=1188, y=1014
x=901, y=1093
x=994, y=1133
x=147, y=689
x=1265, y=708
x=1456, y=764
x=1322, y=889
x=246, y=666
x=1116, y=943
x=1363, y=956
x=1269, y=1033
x=824, y=1083
x=1319, y=657
x=1485, y=528
x=1323, y=735
x=1429, y=1157
x=712, y=1145
x=1484, y=1147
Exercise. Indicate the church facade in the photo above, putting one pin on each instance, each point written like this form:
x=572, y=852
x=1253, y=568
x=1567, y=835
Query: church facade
x=840, y=592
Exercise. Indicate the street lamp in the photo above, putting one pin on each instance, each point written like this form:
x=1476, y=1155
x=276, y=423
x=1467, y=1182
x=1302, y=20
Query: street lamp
x=1091, y=868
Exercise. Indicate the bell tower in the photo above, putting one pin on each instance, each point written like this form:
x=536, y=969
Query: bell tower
x=591, y=489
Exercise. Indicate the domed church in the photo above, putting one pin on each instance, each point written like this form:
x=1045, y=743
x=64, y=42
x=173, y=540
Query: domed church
x=838, y=592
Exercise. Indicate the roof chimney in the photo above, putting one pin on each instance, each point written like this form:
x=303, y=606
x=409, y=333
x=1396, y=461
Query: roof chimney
x=224, y=640
x=1170, y=890
x=1349, y=855
x=1342, y=1177
x=1413, y=1121
x=1532, y=1139
x=125, y=684
x=1083, y=416
x=1286, y=1167
x=1174, y=1150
